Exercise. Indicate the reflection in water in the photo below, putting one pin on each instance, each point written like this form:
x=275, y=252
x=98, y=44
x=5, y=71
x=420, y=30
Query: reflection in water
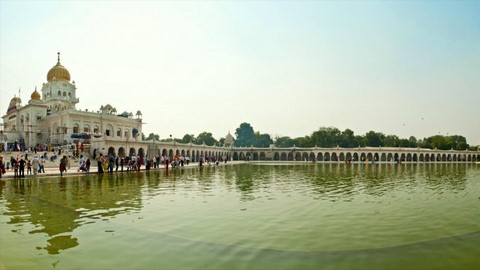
x=57, y=206
x=251, y=215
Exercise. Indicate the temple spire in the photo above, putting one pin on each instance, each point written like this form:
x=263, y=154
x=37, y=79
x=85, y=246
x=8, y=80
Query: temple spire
x=58, y=59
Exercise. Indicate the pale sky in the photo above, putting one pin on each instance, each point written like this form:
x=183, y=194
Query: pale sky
x=286, y=67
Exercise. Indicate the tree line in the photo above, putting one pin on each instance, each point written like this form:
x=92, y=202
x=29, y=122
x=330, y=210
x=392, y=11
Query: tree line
x=246, y=136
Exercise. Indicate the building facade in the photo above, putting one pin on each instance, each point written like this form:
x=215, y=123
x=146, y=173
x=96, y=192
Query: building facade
x=51, y=118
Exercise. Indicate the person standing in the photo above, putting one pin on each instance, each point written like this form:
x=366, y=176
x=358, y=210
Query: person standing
x=42, y=165
x=35, y=164
x=1, y=167
x=81, y=164
x=15, y=168
x=87, y=165
x=63, y=165
x=100, y=163
x=29, y=166
x=116, y=164
x=21, y=166
x=122, y=162
x=111, y=163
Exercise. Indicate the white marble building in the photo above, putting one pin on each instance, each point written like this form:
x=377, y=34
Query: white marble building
x=52, y=118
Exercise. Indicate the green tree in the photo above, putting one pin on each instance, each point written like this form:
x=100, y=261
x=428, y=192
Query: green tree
x=284, y=142
x=374, y=139
x=187, y=138
x=245, y=135
x=206, y=137
x=325, y=137
x=151, y=136
x=348, y=139
x=262, y=140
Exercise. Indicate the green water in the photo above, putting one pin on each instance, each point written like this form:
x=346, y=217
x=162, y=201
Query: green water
x=249, y=216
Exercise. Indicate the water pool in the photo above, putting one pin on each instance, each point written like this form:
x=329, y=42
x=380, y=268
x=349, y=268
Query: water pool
x=248, y=216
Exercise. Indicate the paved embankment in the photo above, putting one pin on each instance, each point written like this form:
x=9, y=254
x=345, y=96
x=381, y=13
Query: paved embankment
x=52, y=168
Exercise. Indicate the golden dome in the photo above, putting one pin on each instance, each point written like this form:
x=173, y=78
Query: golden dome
x=13, y=103
x=58, y=72
x=35, y=95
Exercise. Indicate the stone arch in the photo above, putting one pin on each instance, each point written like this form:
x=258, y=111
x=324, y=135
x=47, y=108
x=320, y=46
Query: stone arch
x=444, y=157
x=409, y=157
x=363, y=157
x=319, y=156
x=298, y=156
x=111, y=151
x=255, y=156
x=312, y=157
x=283, y=156
x=383, y=157
x=262, y=156
x=326, y=156
x=235, y=156
x=276, y=156
x=304, y=156
x=290, y=156
x=76, y=128
x=369, y=157
x=421, y=158
x=121, y=152
x=131, y=152
x=341, y=157
x=376, y=157
x=355, y=157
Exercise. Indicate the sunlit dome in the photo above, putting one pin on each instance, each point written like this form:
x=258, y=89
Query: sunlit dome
x=35, y=95
x=14, y=103
x=58, y=72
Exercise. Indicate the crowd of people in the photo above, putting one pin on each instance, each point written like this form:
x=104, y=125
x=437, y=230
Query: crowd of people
x=105, y=163
x=18, y=165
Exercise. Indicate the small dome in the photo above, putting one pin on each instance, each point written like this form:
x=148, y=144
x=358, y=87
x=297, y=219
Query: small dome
x=16, y=101
x=35, y=95
x=229, y=136
x=58, y=72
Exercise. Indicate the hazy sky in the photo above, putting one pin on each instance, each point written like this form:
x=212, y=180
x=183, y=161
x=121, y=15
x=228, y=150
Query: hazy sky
x=286, y=67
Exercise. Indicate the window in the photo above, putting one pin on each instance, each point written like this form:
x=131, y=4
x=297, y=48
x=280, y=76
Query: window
x=86, y=129
x=107, y=132
x=75, y=128
x=119, y=133
x=95, y=130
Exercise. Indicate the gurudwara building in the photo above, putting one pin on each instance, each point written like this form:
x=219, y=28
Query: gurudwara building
x=50, y=118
